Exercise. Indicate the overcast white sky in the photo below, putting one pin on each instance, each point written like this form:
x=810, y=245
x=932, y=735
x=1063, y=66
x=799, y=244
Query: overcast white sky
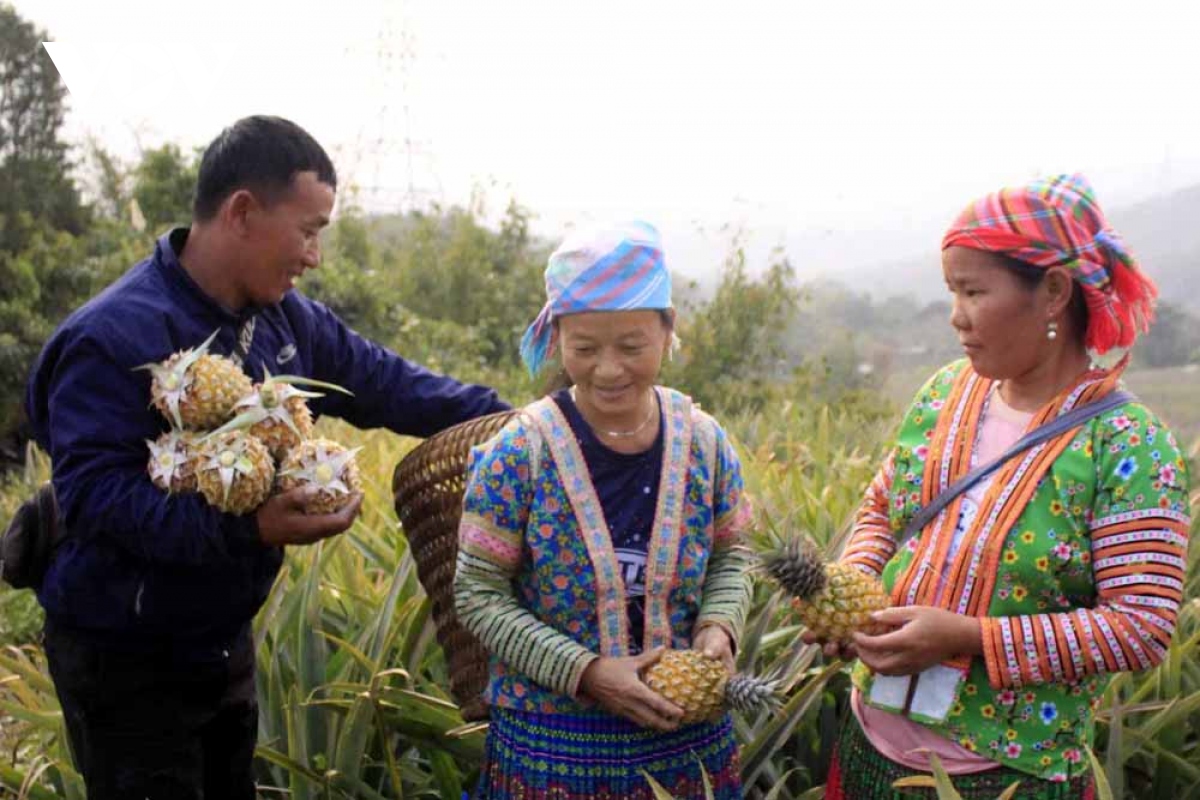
x=852, y=130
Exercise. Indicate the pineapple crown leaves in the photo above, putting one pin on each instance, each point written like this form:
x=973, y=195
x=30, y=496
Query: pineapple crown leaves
x=167, y=458
x=286, y=385
x=269, y=401
x=230, y=460
x=300, y=380
x=797, y=566
x=325, y=470
x=174, y=379
x=748, y=693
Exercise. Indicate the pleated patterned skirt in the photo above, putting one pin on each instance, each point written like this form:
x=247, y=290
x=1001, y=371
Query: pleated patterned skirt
x=602, y=757
x=860, y=772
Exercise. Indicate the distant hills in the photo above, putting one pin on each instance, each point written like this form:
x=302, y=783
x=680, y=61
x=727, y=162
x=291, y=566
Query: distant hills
x=1163, y=232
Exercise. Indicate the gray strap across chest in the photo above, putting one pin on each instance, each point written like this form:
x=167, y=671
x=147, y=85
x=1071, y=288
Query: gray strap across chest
x=1059, y=425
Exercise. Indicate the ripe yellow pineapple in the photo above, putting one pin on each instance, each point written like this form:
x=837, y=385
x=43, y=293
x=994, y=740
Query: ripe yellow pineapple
x=196, y=390
x=833, y=600
x=172, y=461
x=277, y=412
x=704, y=689
x=234, y=471
x=326, y=465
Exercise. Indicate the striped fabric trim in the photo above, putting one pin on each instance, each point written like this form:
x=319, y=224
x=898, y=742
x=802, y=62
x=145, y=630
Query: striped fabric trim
x=1139, y=566
x=610, y=587
x=1030, y=651
x=1100, y=539
x=872, y=542
x=666, y=534
x=487, y=607
x=726, y=598
x=1142, y=514
x=971, y=580
x=1011, y=491
x=479, y=537
x=1006, y=499
x=949, y=459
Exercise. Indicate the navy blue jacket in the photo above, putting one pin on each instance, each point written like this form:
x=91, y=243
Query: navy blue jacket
x=140, y=567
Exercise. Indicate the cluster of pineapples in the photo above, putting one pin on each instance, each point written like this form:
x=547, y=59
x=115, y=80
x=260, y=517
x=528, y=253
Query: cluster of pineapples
x=833, y=600
x=236, y=442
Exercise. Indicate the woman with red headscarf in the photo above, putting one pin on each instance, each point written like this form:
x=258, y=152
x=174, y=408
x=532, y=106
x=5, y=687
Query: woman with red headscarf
x=1016, y=601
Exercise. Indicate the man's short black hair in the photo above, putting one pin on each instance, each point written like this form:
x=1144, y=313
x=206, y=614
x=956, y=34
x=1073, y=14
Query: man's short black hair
x=258, y=153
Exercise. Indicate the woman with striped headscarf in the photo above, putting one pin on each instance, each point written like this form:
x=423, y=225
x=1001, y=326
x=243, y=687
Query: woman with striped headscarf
x=599, y=527
x=1014, y=604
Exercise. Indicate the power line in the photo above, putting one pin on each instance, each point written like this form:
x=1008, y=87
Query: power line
x=375, y=149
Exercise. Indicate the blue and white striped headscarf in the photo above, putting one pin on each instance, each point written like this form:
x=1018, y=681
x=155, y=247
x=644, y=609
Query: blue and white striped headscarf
x=615, y=268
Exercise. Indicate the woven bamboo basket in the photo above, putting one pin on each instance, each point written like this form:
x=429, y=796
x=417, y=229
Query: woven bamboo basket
x=427, y=486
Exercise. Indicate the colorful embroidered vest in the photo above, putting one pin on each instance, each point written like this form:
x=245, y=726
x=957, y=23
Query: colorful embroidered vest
x=571, y=579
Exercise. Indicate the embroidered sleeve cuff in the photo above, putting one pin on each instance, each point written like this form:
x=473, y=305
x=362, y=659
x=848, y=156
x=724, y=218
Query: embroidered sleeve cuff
x=725, y=625
x=870, y=548
x=484, y=540
x=993, y=655
x=575, y=676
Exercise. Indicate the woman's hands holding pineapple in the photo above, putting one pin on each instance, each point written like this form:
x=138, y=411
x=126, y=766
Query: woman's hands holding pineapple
x=281, y=519
x=616, y=684
x=714, y=642
x=924, y=636
x=843, y=650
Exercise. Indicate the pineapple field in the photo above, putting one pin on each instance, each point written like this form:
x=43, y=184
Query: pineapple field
x=354, y=689
x=805, y=362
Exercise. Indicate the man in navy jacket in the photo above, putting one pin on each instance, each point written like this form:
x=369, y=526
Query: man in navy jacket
x=149, y=599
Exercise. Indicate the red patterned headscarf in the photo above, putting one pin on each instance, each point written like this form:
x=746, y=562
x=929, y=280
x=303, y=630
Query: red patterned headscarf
x=1057, y=222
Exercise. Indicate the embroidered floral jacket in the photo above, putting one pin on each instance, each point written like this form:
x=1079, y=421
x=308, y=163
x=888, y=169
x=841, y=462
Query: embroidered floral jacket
x=1075, y=562
x=537, y=577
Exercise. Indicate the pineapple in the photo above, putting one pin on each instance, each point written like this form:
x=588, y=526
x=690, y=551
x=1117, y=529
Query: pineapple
x=326, y=465
x=277, y=412
x=172, y=464
x=703, y=687
x=195, y=390
x=234, y=471
x=833, y=600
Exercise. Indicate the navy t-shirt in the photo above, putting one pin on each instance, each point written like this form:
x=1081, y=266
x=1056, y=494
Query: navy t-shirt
x=627, y=486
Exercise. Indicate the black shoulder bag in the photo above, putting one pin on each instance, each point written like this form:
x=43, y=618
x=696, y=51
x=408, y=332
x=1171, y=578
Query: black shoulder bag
x=30, y=539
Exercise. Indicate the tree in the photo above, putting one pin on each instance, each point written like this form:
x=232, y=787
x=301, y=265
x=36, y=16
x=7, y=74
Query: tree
x=163, y=185
x=449, y=267
x=35, y=168
x=733, y=344
x=350, y=280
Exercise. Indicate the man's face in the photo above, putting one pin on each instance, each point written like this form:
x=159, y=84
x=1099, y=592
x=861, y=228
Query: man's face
x=282, y=239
